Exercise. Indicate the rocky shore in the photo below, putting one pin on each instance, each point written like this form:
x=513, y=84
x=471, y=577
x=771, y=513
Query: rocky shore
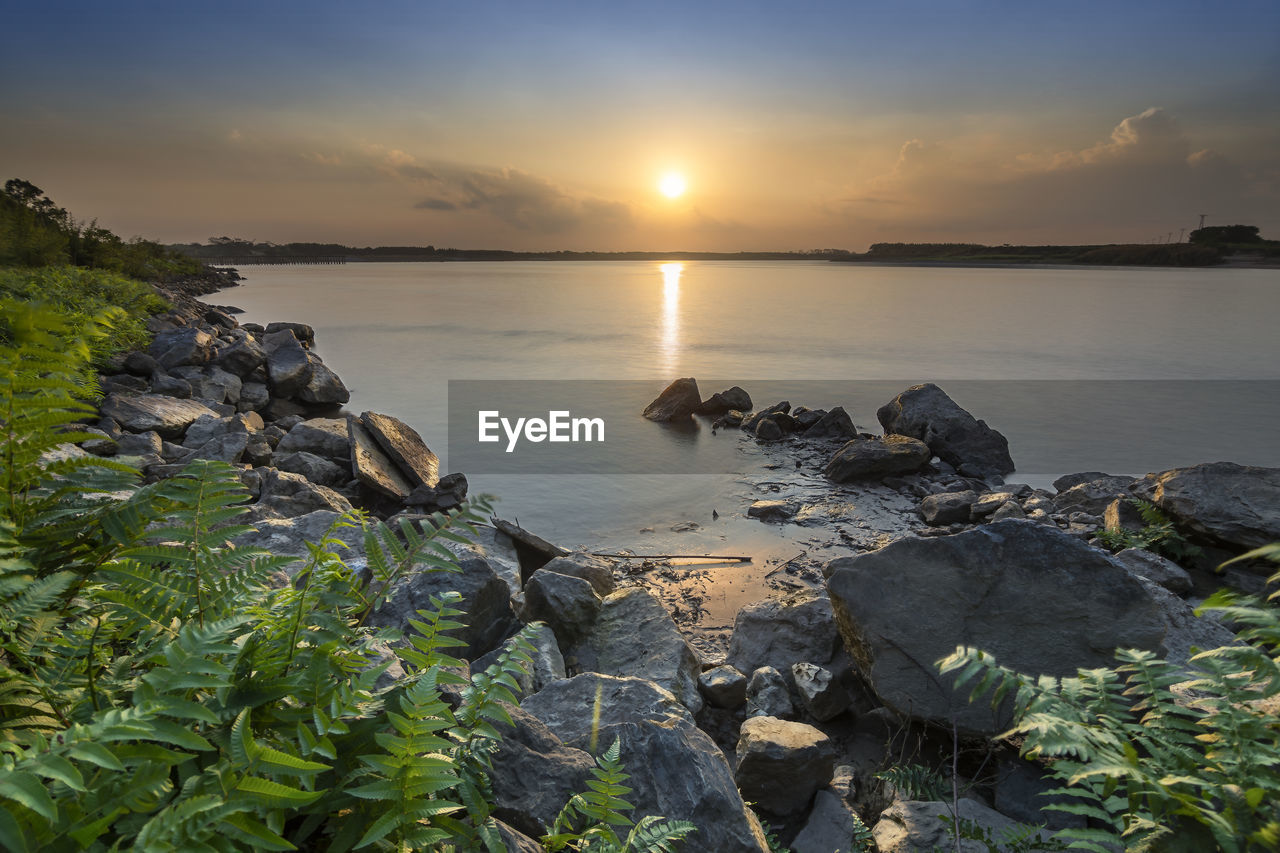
x=811, y=693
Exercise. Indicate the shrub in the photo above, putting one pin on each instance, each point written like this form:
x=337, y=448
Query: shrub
x=1151, y=767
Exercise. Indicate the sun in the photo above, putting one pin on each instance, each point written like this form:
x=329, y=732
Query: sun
x=672, y=185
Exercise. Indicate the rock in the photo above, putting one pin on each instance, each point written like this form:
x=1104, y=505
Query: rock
x=122, y=382
x=676, y=770
x=220, y=386
x=486, y=601
x=567, y=604
x=323, y=388
x=948, y=507
x=731, y=418
x=806, y=417
x=734, y=399
x=1122, y=515
x=1008, y=509
x=724, y=687
x=289, y=536
x=767, y=694
x=288, y=364
x=782, y=632
x=677, y=402
x=534, y=774
x=140, y=364
x=834, y=424
x=821, y=695
x=317, y=469
x=925, y=412
x=242, y=357
x=402, y=444
x=253, y=396
x=749, y=422
x=301, y=331
x=1236, y=506
x=1185, y=632
x=515, y=841
x=371, y=466
x=1037, y=599
x=635, y=636
x=988, y=503
x=170, y=386
x=548, y=663
x=767, y=429
x=909, y=826
x=206, y=428
x=1156, y=569
x=829, y=829
x=772, y=510
x=1021, y=789
x=1093, y=496
x=141, y=444
x=293, y=494
x=182, y=346
x=225, y=448
x=167, y=416
x=594, y=570
x=1068, y=481
x=871, y=459
x=780, y=764
x=326, y=437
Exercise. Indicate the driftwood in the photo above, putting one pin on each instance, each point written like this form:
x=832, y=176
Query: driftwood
x=672, y=557
x=777, y=569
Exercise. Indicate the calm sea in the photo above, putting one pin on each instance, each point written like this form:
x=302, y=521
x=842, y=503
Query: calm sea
x=1123, y=370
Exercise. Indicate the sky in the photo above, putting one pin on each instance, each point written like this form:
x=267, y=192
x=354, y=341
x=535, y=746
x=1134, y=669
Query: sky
x=549, y=125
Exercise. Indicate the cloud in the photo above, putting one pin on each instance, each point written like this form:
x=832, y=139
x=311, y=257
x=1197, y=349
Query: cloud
x=435, y=204
x=1144, y=179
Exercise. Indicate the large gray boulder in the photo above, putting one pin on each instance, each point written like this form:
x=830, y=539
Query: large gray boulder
x=567, y=604
x=780, y=632
x=677, y=402
x=876, y=458
x=486, y=601
x=1237, y=506
x=948, y=507
x=168, y=416
x=957, y=437
x=725, y=401
x=534, y=774
x=676, y=770
x=288, y=495
x=1157, y=569
x=834, y=424
x=242, y=357
x=323, y=387
x=1039, y=600
x=289, y=536
x=829, y=828
x=402, y=444
x=183, y=346
x=288, y=364
x=1092, y=496
x=371, y=466
x=325, y=437
x=781, y=764
x=635, y=636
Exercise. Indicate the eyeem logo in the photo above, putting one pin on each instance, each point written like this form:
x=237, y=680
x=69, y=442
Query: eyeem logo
x=560, y=426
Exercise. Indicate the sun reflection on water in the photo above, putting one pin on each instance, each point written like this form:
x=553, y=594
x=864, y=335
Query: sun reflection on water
x=669, y=343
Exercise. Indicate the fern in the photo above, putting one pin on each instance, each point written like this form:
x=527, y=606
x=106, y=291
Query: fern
x=1159, y=535
x=1141, y=762
x=916, y=782
x=600, y=810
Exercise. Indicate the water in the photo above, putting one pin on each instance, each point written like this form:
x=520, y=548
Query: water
x=1048, y=356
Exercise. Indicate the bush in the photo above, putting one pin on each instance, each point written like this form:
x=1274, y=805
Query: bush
x=1151, y=767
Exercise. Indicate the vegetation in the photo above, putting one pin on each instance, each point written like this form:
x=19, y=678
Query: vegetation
x=158, y=693
x=1152, y=766
x=35, y=232
x=1160, y=254
x=601, y=809
x=1158, y=535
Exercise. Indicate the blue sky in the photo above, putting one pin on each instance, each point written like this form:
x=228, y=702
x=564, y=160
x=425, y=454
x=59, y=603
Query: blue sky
x=548, y=125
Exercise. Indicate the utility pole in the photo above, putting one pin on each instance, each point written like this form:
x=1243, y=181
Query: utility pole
x=1181, y=231
x=1202, y=216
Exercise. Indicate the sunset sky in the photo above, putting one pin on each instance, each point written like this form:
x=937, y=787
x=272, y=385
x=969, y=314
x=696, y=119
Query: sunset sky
x=549, y=125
